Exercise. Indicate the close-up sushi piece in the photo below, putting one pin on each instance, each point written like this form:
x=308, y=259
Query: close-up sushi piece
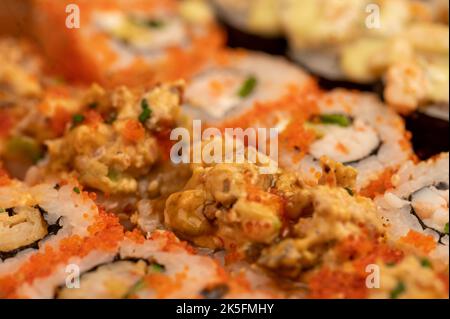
x=160, y=267
x=125, y=42
x=416, y=208
x=354, y=129
x=362, y=41
x=45, y=225
x=235, y=81
x=252, y=24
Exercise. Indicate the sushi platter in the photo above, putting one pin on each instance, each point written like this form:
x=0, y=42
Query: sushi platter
x=224, y=149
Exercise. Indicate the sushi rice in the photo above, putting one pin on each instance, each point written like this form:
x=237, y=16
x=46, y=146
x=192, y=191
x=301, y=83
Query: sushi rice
x=416, y=208
x=158, y=267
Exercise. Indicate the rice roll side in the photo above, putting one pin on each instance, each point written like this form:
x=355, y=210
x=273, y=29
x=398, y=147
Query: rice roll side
x=47, y=224
x=416, y=208
x=258, y=17
x=126, y=42
x=235, y=81
x=159, y=267
x=353, y=129
x=400, y=42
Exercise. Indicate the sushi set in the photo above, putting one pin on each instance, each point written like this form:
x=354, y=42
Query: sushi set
x=102, y=195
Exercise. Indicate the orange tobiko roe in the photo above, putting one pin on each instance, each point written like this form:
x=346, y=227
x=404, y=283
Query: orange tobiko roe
x=105, y=235
x=379, y=186
x=425, y=243
x=133, y=131
x=359, y=251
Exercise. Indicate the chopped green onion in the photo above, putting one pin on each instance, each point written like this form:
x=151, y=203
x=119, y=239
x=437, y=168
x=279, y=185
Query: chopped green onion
x=146, y=111
x=446, y=229
x=248, y=87
x=155, y=23
x=113, y=175
x=76, y=190
x=77, y=119
x=23, y=147
x=336, y=119
x=390, y=264
x=139, y=285
x=155, y=267
x=426, y=263
x=398, y=290
x=349, y=191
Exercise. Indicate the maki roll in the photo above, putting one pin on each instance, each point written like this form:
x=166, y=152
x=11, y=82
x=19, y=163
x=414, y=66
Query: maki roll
x=237, y=80
x=354, y=129
x=44, y=225
x=399, y=42
x=254, y=16
x=254, y=24
x=126, y=42
x=160, y=267
x=416, y=208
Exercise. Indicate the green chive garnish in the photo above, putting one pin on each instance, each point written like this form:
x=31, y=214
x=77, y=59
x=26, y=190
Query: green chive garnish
x=113, y=175
x=336, y=119
x=77, y=119
x=248, y=87
x=446, y=229
x=426, y=263
x=154, y=23
x=139, y=285
x=398, y=290
x=76, y=190
x=349, y=191
x=146, y=112
x=155, y=267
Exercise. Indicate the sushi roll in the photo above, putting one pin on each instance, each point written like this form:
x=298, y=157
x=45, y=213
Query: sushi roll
x=125, y=42
x=254, y=16
x=399, y=42
x=161, y=267
x=237, y=80
x=44, y=225
x=254, y=24
x=353, y=129
x=416, y=208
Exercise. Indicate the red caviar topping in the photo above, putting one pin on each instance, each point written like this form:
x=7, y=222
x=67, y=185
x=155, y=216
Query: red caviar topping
x=106, y=233
x=424, y=243
x=133, y=131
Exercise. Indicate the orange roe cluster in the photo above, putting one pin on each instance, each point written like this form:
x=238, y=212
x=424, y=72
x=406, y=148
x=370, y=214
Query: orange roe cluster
x=171, y=242
x=360, y=251
x=380, y=185
x=135, y=236
x=424, y=243
x=105, y=235
x=299, y=105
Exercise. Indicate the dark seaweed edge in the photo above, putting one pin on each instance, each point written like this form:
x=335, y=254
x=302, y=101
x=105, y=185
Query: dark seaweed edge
x=97, y=267
x=52, y=230
x=422, y=224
